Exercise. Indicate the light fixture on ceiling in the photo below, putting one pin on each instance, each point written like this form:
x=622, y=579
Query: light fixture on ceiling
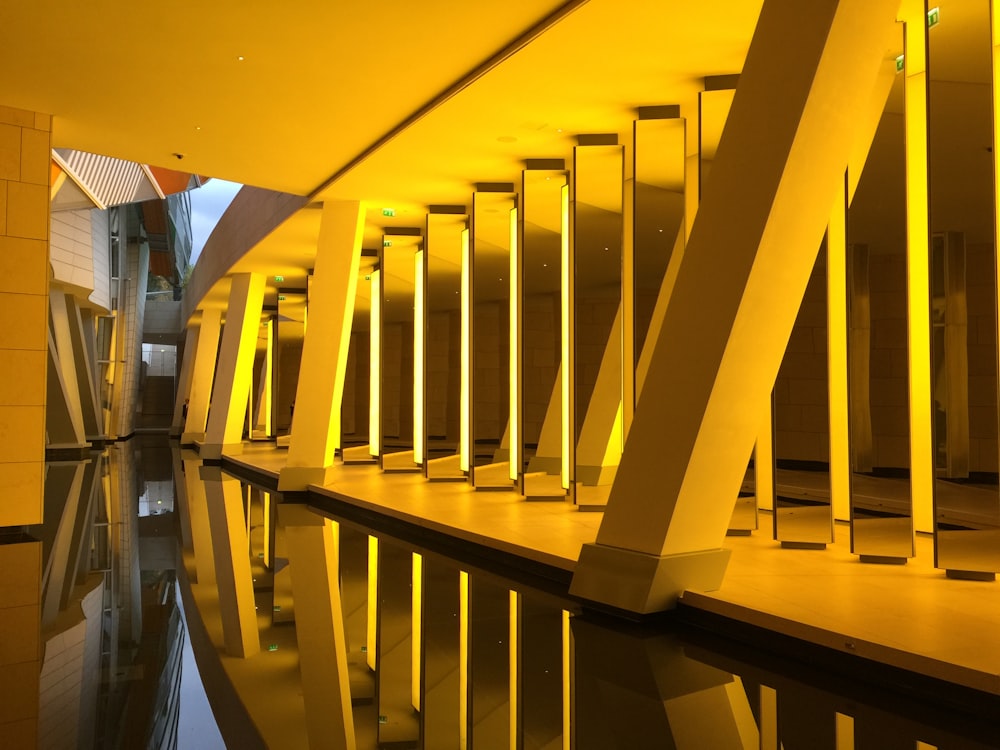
x=240, y=58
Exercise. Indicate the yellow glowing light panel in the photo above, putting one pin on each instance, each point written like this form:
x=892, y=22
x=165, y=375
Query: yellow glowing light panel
x=918, y=273
x=836, y=300
x=463, y=660
x=567, y=695
x=268, y=367
x=464, y=449
x=372, y=629
x=415, y=642
x=512, y=640
x=419, y=312
x=375, y=366
x=515, y=351
x=566, y=300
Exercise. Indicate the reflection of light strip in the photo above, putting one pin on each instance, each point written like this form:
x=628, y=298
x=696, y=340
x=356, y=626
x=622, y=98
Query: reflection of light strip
x=464, y=427
x=836, y=352
x=268, y=366
x=917, y=272
x=768, y=718
x=567, y=692
x=565, y=272
x=372, y=630
x=375, y=366
x=417, y=593
x=514, y=339
x=512, y=639
x=418, y=357
x=463, y=660
x=266, y=502
x=844, y=728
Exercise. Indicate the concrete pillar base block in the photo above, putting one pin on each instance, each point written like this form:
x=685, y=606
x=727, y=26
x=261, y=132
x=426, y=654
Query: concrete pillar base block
x=641, y=583
x=214, y=451
x=298, y=478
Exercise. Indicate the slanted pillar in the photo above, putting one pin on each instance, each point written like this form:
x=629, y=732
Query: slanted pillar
x=233, y=577
x=184, y=380
x=197, y=512
x=319, y=626
x=234, y=370
x=779, y=167
x=64, y=360
x=324, y=351
x=202, y=375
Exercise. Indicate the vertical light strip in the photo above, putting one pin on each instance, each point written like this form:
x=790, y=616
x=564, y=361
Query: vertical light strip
x=416, y=637
x=995, y=37
x=566, y=300
x=266, y=498
x=419, y=313
x=372, y=632
x=375, y=365
x=567, y=673
x=513, y=685
x=463, y=660
x=514, y=339
x=845, y=731
x=268, y=366
x=917, y=261
x=768, y=718
x=836, y=352
x=464, y=426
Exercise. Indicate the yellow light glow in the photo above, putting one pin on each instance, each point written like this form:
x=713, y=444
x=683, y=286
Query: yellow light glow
x=417, y=634
x=917, y=271
x=514, y=340
x=763, y=461
x=266, y=501
x=513, y=610
x=375, y=366
x=768, y=718
x=419, y=312
x=268, y=380
x=836, y=350
x=372, y=624
x=464, y=449
x=463, y=660
x=567, y=671
x=845, y=731
x=995, y=36
x=566, y=298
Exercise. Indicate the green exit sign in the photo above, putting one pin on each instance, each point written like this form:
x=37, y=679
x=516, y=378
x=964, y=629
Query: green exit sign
x=388, y=212
x=899, y=64
x=933, y=17
x=281, y=298
x=386, y=243
x=279, y=279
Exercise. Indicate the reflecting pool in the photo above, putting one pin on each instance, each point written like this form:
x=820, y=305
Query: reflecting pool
x=184, y=606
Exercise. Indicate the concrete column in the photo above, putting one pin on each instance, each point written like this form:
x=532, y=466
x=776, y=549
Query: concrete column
x=202, y=375
x=184, y=380
x=84, y=359
x=319, y=627
x=230, y=547
x=24, y=298
x=777, y=172
x=64, y=359
x=324, y=352
x=234, y=371
x=600, y=446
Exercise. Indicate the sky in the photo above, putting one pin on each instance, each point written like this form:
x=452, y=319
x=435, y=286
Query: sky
x=208, y=203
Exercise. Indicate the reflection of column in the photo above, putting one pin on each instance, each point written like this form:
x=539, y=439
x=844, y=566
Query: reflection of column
x=183, y=508
x=713, y=365
x=234, y=371
x=600, y=446
x=652, y=689
x=324, y=351
x=319, y=627
x=197, y=510
x=201, y=376
x=232, y=562
x=19, y=652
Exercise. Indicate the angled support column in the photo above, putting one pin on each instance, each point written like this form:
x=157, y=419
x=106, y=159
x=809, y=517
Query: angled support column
x=778, y=169
x=63, y=358
x=234, y=371
x=233, y=576
x=184, y=381
x=196, y=504
x=324, y=351
x=202, y=374
x=319, y=626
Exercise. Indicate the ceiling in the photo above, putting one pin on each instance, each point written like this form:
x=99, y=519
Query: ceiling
x=397, y=104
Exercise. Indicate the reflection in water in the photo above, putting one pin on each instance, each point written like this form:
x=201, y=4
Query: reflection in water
x=367, y=640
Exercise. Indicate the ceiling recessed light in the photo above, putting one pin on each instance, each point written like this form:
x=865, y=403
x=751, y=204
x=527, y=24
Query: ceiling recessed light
x=240, y=58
